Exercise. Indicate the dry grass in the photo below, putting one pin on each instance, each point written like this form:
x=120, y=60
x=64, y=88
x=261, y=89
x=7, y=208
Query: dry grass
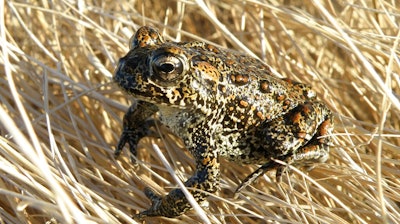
x=61, y=116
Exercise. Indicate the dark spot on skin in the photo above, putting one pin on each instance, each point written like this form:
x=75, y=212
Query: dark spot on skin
x=264, y=86
x=280, y=97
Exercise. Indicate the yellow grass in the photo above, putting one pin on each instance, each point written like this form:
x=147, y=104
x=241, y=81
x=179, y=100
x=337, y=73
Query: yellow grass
x=60, y=114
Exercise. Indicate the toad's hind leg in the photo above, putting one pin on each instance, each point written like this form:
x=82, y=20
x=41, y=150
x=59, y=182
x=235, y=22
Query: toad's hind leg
x=299, y=138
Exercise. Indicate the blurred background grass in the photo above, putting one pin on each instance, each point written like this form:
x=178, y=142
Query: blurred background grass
x=61, y=114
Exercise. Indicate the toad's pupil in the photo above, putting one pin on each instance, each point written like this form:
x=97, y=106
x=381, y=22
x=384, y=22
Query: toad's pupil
x=166, y=67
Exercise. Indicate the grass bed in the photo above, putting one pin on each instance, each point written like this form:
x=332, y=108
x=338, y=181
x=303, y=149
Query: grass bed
x=60, y=114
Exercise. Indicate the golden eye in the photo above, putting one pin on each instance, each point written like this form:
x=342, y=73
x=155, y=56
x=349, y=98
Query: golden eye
x=167, y=67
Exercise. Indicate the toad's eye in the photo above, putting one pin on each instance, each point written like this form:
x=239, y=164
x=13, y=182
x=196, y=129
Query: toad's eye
x=167, y=66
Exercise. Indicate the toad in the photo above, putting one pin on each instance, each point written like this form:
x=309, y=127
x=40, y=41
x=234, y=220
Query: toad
x=222, y=104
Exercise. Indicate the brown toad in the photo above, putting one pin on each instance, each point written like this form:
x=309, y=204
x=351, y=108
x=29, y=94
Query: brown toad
x=222, y=104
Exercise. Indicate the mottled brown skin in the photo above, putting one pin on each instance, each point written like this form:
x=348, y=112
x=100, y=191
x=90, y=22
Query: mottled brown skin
x=222, y=104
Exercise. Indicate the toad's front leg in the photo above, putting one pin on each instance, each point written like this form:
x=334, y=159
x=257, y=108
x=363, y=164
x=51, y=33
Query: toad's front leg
x=206, y=179
x=135, y=126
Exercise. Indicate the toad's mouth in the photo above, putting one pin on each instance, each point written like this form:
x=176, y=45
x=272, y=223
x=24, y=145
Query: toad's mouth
x=141, y=87
x=160, y=78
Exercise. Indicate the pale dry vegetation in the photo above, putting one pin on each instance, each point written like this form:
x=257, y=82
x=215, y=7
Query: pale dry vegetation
x=60, y=114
